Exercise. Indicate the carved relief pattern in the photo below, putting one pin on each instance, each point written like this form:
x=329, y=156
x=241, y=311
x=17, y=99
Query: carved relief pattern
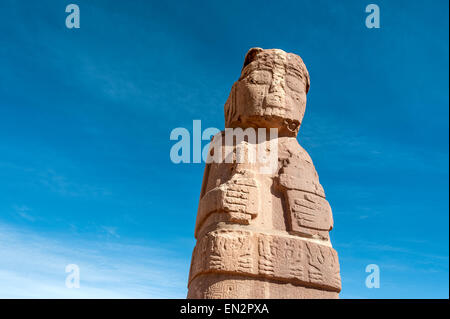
x=238, y=198
x=309, y=210
x=278, y=257
x=323, y=265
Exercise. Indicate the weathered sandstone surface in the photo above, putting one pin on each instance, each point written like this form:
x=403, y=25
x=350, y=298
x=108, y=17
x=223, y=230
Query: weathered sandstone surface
x=264, y=235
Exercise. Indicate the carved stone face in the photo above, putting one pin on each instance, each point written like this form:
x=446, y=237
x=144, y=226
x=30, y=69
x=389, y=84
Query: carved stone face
x=271, y=92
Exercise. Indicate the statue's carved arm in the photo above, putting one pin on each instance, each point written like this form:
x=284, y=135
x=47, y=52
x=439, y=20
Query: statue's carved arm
x=238, y=198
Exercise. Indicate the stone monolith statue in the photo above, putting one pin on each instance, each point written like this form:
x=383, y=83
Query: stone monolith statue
x=264, y=233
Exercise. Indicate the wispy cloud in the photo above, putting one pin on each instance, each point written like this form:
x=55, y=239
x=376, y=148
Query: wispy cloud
x=23, y=211
x=33, y=266
x=112, y=231
x=355, y=147
x=396, y=256
x=60, y=184
x=54, y=181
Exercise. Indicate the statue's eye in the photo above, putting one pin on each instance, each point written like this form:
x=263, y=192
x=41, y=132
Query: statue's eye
x=295, y=83
x=260, y=77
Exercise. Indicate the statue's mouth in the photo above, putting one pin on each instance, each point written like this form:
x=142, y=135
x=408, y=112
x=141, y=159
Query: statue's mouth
x=274, y=107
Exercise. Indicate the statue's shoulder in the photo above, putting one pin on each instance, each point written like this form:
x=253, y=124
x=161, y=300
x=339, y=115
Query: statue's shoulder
x=290, y=147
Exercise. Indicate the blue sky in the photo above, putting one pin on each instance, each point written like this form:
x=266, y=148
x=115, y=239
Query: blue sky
x=86, y=115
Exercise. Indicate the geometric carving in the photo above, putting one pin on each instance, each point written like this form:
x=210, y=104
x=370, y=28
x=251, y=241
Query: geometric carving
x=228, y=286
x=285, y=258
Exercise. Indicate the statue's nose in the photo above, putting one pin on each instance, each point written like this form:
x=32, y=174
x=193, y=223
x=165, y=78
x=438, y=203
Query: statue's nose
x=277, y=85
